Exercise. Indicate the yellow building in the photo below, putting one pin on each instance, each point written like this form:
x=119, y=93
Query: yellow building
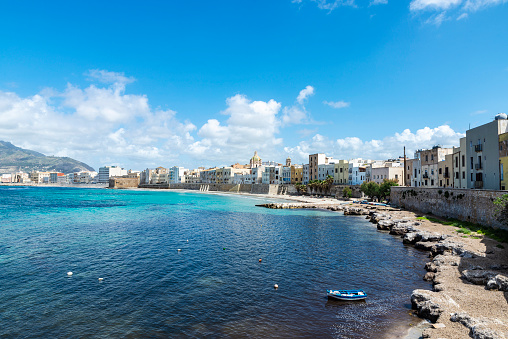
x=341, y=172
x=296, y=174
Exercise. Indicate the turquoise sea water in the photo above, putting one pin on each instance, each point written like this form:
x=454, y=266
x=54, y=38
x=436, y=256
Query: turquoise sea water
x=214, y=287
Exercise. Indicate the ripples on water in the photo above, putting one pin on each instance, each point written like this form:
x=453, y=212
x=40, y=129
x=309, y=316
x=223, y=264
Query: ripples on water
x=214, y=287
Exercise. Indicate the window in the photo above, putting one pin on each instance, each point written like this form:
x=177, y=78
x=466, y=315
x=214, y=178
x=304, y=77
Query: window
x=471, y=164
x=456, y=175
x=471, y=176
x=432, y=171
x=426, y=158
x=457, y=162
x=463, y=175
x=441, y=183
x=502, y=173
x=440, y=171
x=463, y=160
x=431, y=157
x=471, y=145
x=431, y=182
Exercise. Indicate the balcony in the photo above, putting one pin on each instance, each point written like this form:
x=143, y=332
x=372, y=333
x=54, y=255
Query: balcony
x=478, y=166
x=425, y=176
x=478, y=184
x=478, y=148
x=446, y=174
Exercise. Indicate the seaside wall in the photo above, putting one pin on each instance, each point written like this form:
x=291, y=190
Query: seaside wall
x=476, y=206
x=123, y=182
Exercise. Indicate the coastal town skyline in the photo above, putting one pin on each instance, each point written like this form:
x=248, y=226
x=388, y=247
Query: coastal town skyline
x=352, y=79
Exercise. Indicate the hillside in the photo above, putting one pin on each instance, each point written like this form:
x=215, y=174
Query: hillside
x=13, y=158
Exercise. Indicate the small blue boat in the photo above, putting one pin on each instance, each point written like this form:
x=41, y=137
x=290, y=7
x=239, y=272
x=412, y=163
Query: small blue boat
x=347, y=294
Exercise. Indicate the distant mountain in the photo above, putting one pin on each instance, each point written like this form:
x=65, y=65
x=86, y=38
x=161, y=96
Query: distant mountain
x=13, y=158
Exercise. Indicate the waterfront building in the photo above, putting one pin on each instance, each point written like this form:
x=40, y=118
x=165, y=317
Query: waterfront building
x=176, y=174
x=459, y=165
x=444, y=170
x=305, y=174
x=39, y=177
x=389, y=172
x=159, y=176
x=296, y=174
x=482, y=154
x=429, y=160
x=369, y=167
x=6, y=178
x=193, y=176
x=257, y=175
x=503, y=161
x=107, y=172
x=314, y=161
x=357, y=169
x=325, y=170
x=341, y=172
x=208, y=175
x=286, y=174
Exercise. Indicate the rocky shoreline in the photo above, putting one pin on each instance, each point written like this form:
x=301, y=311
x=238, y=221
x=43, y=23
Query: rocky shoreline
x=469, y=273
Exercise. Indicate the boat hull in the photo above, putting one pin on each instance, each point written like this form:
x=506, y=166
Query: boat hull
x=347, y=295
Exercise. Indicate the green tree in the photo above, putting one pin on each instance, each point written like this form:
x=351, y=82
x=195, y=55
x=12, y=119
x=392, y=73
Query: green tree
x=385, y=188
x=347, y=192
x=370, y=189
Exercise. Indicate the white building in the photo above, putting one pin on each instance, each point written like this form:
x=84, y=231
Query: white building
x=324, y=170
x=305, y=178
x=107, y=172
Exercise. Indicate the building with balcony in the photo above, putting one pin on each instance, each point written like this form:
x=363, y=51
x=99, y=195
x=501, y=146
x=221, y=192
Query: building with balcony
x=483, y=161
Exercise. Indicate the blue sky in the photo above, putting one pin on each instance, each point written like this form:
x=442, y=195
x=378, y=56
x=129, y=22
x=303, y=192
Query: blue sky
x=207, y=83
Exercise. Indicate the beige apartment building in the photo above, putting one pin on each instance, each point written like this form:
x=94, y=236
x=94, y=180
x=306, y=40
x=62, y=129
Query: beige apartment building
x=445, y=170
x=314, y=161
x=341, y=172
x=429, y=160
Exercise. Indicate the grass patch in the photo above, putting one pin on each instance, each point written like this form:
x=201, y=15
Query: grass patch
x=466, y=227
x=464, y=231
x=475, y=237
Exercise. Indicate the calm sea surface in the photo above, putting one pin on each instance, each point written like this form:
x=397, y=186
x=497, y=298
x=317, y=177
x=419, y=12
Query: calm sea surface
x=214, y=287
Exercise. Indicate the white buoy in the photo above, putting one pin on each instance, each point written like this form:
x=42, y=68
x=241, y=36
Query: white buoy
x=187, y=240
x=69, y=273
x=179, y=250
x=276, y=286
x=101, y=279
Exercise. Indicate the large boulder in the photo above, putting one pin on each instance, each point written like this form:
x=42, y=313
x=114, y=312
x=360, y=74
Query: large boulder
x=422, y=301
x=385, y=225
x=479, y=328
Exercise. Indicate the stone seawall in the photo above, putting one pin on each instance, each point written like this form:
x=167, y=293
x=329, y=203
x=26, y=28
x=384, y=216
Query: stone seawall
x=476, y=206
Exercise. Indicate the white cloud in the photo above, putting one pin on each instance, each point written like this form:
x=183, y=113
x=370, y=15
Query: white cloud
x=475, y=5
x=378, y=2
x=388, y=147
x=437, y=19
x=304, y=94
x=464, y=7
x=297, y=114
x=252, y=125
x=109, y=77
x=418, y=5
x=94, y=125
x=337, y=104
x=330, y=5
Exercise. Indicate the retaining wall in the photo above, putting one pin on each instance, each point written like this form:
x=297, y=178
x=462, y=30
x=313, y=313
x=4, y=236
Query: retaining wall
x=475, y=206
